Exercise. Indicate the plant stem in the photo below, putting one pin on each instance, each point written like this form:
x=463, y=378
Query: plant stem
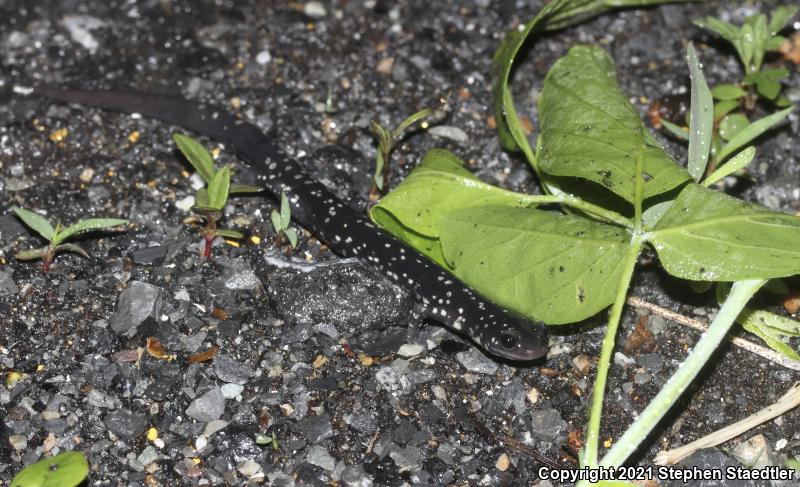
x=740, y=294
x=579, y=204
x=604, y=363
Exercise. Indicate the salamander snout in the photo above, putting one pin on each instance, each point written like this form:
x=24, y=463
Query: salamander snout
x=518, y=339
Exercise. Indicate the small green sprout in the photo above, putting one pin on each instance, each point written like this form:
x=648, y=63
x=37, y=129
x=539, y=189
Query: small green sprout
x=388, y=139
x=755, y=37
x=210, y=200
x=268, y=440
x=56, y=236
x=66, y=469
x=281, y=220
x=728, y=125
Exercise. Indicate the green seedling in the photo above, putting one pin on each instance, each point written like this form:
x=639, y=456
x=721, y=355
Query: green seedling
x=268, y=440
x=56, y=236
x=388, y=139
x=281, y=219
x=619, y=192
x=66, y=469
x=728, y=127
x=210, y=200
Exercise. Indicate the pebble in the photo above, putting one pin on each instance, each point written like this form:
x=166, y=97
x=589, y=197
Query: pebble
x=7, y=284
x=354, y=476
x=185, y=204
x=263, y=57
x=475, y=361
x=213, y=426
x=207, y=407
x=231, y=370
x=250, y=469
x=502, y=463
x=449, y=132
x=320, y=457
x=316, y=428
x=410, y=350
x=405, y=458
x=656, y=324
x=753, y=453
x=125, y=424
x=231, y=391
x=18, y=442
x=547, y=423
x=136, y=303
x=148, y=455
x=239, y=276
x=315, y=9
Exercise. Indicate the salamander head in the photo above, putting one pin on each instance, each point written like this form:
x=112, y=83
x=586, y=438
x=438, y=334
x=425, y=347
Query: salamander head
x=515, y=338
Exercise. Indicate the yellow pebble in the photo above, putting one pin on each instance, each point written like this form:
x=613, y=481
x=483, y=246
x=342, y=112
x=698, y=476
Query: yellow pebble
x=152, y=434
x=215, y=152
x=39, y=368
x=255, y=239
x=12, y=378
x=58, y=135
x=365, y=360
x=607, y=443
x=232, y=243
x=320, y=361
x=196, y=461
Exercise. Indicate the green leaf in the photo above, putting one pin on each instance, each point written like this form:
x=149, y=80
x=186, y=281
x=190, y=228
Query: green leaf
x=286, y=211
x=291, y=234
x=591, y=131
x=701, y=117
x=724, y=107
x=86, y=225
x=731, y=125
x=752, y=131
x=550, y=266
x=777, y=286
x=228, y=233
x=726, y=30
x=726, y=92
x=36, y=222
x=275, y=217
x=745, y=46
x=710, y=236
x=201, y=198
x=769, y=327
x=197, y=155
x=218, y=188
x=66, y=469
x=781, y=17
x=737, y=162
x=782, y=102
x=675, y=130
x=68, y=247
x=760, y=38
x=768, y=89
x=244, y=188
x=651, y=215
x=441, y=184
x=428, y=246
x=31, y=254
x=774, y=74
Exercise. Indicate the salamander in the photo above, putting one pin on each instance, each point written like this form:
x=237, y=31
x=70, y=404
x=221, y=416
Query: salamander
x=441, y=296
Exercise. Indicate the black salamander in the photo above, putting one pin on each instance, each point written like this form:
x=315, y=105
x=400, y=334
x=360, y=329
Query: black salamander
x=442, y=297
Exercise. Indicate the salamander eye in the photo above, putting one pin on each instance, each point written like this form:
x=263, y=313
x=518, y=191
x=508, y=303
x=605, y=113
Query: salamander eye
x=507, y=340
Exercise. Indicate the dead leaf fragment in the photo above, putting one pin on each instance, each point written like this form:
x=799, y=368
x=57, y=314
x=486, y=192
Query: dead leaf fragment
x=792, y=302
x=156, y=349
x=203, y=356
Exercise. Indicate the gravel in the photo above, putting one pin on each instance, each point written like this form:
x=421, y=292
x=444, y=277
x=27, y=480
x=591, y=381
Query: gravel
x=319, y=351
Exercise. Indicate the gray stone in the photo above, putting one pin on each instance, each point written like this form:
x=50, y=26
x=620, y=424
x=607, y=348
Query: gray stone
x=213, y=426
x=149, y=255
x=231, y=391
x=7, y=284
x=320, y=457
x=449, y=132
x=125, y=424
x=475, y=361
x=230, y=370
x=547, y=423
x=651, y=361
x=656, y=324
x=316, y=428
x=239, y=275
x=136, y=303
x=148, y=455
x=207, y=407
x=354, y=476
x=280, y=479
x=10, y=227
x=18, y=442
x=406, y=458
x=410, y=350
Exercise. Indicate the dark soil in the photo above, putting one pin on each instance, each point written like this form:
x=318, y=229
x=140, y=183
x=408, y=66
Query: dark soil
x=308, y=343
